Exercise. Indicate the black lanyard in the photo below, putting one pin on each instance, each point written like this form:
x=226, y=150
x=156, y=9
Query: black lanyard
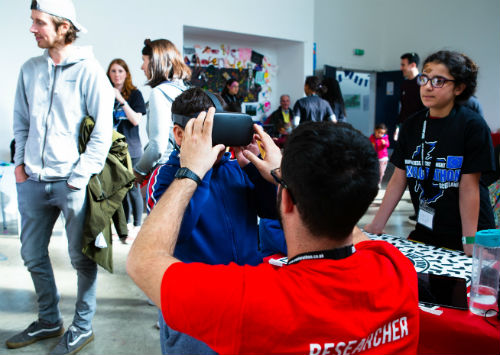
x=334, y=254
x=426, y=185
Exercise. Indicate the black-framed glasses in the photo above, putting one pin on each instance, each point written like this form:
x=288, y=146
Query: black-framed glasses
x=436, y=82
x=276, y=174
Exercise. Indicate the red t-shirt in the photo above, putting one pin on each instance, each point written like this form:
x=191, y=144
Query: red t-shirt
x=366, y=303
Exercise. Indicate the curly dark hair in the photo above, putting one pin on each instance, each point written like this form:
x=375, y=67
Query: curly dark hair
x=461, y=68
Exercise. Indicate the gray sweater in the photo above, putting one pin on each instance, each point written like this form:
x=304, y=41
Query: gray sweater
x=50, y=104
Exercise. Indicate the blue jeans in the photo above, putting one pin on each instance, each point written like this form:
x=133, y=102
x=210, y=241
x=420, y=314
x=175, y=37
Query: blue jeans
x=133, y=202
x=40, y=204
x=174, y=342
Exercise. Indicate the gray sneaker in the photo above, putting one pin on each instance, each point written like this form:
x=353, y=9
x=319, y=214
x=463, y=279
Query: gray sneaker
x=36, y=331
x=73, y=341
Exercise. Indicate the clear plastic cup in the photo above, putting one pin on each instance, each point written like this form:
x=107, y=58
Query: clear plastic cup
x=485, y=273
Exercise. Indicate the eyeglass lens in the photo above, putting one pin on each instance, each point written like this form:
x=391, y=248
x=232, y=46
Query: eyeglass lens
x=437, y=81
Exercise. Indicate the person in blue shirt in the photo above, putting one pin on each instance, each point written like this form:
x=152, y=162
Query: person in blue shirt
x=220, y=223
x=312, y=107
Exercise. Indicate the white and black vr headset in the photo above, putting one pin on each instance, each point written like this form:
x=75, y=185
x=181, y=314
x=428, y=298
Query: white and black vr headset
x=229, y=128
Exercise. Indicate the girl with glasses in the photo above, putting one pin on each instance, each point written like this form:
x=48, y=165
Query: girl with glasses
x=440, y=155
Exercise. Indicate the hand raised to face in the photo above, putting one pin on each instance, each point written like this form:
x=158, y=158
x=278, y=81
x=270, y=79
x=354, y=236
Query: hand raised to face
x=271, y=154
x=197, y=153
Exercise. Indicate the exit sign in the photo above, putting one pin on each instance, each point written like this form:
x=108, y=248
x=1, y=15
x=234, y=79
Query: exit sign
x=358, y=51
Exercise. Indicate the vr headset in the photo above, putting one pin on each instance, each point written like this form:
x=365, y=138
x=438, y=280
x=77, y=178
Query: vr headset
x=229, y=128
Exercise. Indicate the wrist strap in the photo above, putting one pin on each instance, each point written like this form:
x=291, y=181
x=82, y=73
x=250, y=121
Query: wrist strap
x=186, y=173
x=468, y=240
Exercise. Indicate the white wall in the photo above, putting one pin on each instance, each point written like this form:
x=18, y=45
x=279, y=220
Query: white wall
x=289, y=82
x=118, y=29
x=285, y=56
x=388, y=28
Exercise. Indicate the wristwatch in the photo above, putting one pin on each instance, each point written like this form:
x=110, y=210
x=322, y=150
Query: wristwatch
x=185, y=173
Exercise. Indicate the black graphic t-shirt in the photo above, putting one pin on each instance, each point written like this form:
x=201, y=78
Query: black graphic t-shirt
x=455, y=145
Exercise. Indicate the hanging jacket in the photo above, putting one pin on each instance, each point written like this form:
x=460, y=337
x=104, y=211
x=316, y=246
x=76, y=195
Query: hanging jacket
x=105, y=192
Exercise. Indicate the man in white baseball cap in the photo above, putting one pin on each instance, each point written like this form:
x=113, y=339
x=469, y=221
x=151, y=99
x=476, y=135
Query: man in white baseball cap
x=55, y=92
x=59, y=8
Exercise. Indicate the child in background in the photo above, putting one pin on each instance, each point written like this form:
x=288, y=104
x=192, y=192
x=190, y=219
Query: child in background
x=380, y=141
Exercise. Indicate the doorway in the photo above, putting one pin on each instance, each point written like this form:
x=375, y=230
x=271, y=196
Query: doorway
x=387, y=104
x=358, y=91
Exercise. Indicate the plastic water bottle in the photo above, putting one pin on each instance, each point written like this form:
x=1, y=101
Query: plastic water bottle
x=485, y=273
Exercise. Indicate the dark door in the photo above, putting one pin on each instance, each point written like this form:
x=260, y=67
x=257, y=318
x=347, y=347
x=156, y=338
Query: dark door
x=387, y=100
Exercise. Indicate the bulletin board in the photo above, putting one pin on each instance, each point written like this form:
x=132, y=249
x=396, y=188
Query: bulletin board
x=213, y=66
x=214, y=79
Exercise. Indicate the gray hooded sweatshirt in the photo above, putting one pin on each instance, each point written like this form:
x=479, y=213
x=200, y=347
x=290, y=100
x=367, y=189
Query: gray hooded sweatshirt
x=50, y=104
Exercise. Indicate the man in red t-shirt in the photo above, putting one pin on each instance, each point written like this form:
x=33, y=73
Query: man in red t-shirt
x=331, y=298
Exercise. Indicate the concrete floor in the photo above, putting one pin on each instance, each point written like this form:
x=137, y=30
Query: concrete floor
x=124, y=322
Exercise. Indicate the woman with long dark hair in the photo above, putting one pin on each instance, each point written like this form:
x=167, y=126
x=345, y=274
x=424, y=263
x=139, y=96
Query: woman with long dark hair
x=332, y=93
x=230, y=95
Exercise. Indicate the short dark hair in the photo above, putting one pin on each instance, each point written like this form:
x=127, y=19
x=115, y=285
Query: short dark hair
x=381, y=126
x=193, y=101
x=332, y=172
x=461, y=68
x=314, y=83
x=412, y=58
x=72, y=33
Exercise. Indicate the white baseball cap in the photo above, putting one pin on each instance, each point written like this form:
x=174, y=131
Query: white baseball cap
x=60, y=8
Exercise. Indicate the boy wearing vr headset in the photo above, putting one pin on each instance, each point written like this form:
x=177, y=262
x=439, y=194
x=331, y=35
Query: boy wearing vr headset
x=220, y=223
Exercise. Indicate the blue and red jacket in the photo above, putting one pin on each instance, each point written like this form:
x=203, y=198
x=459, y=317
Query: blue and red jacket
x=220, y=223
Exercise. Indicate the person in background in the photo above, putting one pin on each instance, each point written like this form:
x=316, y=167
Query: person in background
x=167, y=74
x=474, y=105
x=454, y=144
x=331, y=296
x=380, y=142
x=312, y=107
x=55, y=92
x=410, y=101
x=281, y=119
x=128, y=110
x=332, y=93
x=230, y=95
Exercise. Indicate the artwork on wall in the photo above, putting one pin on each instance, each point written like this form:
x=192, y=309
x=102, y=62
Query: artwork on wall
x=212, y=67
x=352, y=101
x=214, y=79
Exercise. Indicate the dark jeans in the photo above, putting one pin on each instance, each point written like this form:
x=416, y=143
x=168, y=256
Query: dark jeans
x=133, y=201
